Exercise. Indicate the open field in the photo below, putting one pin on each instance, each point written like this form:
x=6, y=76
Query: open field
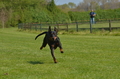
x=85, y=57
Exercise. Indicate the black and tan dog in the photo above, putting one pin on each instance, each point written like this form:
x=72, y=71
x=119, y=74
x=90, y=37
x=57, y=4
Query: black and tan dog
x=52, y=40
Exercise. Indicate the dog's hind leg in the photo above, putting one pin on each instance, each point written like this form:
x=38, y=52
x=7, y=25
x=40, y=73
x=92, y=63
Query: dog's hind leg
x=52, y=53
x=44, y=43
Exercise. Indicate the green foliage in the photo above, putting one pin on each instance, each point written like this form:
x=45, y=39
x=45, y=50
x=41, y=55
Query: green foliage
x=58, y=15
x=76, y=16
x=32, y=11
x=101, y=14
x=52, y=7
x=36, y=11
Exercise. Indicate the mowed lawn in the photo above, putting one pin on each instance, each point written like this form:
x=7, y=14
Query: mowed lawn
x=84, y=57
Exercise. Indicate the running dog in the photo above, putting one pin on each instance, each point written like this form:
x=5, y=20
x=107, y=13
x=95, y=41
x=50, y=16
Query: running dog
x=52, y=40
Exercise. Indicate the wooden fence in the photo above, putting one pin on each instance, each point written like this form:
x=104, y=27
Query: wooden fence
x=76, y=26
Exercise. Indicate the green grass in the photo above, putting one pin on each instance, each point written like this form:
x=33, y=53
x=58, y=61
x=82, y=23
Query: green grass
x=85, y=57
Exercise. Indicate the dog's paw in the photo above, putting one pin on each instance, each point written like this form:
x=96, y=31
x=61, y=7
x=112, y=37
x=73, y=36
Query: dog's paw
x=41, y=48
x=61, y=51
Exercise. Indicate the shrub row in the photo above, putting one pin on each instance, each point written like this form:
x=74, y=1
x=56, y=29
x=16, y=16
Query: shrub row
x=110, y=14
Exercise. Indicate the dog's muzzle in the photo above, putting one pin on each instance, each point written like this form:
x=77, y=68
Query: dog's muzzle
x=53, y=38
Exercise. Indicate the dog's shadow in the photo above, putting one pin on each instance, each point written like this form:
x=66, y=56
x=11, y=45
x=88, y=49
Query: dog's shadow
x=35, y=62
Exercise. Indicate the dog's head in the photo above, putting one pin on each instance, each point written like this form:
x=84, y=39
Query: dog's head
x=52, y=34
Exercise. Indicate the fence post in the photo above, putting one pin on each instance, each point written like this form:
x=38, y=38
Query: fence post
x=40, y=26
x=77, y=26
x=19, y=26
x=109, y=25
x=57, y=25
x=67, y=26
x=24, y=26
x=35, y=27
x=90, y=27
x=29, y=25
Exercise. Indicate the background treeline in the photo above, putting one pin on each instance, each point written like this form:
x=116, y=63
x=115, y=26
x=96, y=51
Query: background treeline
x=87, y=5
x=13, y=12
x=110, y=14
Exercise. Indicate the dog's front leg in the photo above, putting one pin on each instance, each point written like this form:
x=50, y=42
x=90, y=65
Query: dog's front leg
x=52, y=53
x=61, y=49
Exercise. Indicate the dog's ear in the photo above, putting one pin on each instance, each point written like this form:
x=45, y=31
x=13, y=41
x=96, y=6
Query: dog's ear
x=55, y=29
x=49, y=30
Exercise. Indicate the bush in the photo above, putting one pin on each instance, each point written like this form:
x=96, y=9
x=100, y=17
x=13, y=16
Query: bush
x=101, y=14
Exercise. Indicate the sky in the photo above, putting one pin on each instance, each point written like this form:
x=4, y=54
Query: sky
x=60, y=2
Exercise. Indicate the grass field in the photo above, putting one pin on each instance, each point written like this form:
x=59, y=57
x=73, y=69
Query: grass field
x=85, y=57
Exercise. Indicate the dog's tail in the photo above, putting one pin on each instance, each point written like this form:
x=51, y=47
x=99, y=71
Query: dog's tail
x=40, y=35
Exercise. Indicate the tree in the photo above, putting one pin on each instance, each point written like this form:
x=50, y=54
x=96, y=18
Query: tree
x=94, y=5
x=3, y=15
x=64, y=7
x=51, y=6
x=71, y=5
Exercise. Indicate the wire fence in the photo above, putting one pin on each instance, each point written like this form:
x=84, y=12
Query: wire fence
x=73, y=26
